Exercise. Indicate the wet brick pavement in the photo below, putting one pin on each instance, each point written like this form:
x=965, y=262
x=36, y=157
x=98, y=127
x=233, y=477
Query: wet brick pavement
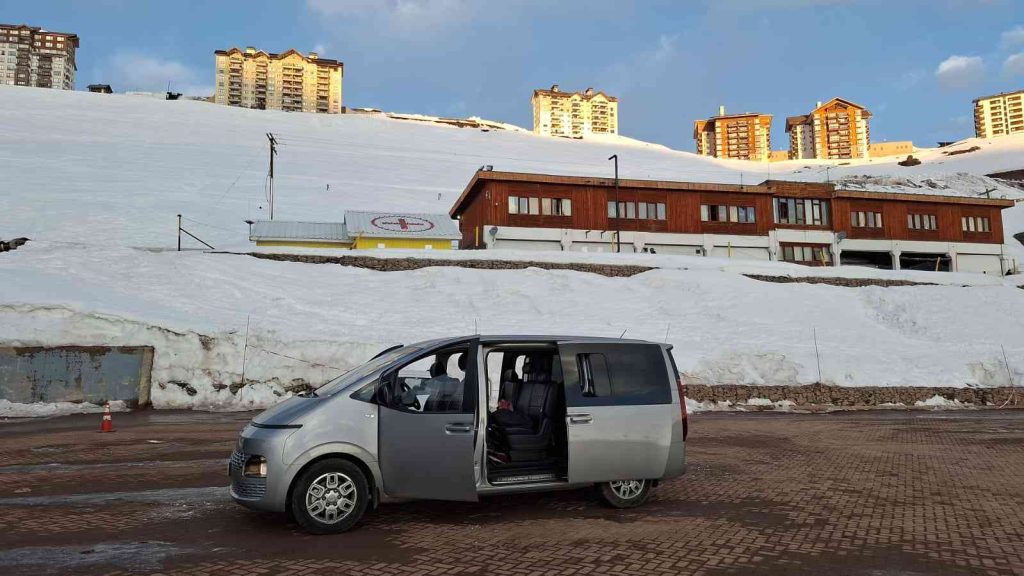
x=872, y=493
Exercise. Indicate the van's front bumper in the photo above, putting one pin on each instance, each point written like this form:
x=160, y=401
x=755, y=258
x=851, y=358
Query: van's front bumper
x=270, y=492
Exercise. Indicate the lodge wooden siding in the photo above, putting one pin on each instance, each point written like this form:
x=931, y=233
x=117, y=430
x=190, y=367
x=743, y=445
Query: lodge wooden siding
x=895, y=227
x=488, y=205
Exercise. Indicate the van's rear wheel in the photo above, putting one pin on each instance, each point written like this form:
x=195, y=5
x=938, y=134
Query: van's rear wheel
x=330, y=497
x=625, y=493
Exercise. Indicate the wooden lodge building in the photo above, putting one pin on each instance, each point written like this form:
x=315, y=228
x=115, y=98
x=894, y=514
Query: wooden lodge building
x=804, y=222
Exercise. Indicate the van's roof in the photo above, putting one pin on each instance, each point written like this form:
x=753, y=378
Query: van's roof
x=526, y=338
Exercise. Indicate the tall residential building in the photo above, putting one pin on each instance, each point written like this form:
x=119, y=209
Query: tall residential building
x=744, y=136
x=837, y=129
x=31, y=56
x=288, y=81
x=999, y=115
x=574, y=114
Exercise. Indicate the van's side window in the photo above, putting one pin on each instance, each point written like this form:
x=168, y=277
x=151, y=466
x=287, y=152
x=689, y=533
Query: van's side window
x=624, y=375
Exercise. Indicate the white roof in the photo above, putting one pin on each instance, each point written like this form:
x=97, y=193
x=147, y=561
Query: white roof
x=286, y=230
x=401, y=225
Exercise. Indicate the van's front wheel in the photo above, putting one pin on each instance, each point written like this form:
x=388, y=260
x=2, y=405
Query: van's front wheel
x=330, y=497
x=625, y=493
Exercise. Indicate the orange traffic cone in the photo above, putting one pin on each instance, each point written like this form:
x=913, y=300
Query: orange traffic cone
x=107, y=425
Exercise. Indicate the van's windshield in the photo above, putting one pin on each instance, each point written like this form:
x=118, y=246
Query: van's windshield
x=362, y=371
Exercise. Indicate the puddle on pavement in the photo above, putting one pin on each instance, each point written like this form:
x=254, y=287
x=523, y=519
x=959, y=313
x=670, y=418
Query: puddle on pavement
x=60, y=467
x=208, y=495
x=134, y=556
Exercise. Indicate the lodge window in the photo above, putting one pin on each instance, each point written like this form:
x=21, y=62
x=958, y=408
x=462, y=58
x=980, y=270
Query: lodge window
x=634, y=210
x=806, y=211
x=921, y=222
x=722, y=213
x=537, y=206
x=804, y=254
x=975, y=224
x=866, y=219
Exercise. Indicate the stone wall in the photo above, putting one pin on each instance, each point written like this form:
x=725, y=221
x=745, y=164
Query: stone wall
x=611, y=270
x=853, y=397
x=402, y=264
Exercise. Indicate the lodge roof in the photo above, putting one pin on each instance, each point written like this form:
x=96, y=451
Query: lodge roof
x=772, y=187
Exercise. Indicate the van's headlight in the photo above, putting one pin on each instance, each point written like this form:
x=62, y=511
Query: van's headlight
x=255, y=466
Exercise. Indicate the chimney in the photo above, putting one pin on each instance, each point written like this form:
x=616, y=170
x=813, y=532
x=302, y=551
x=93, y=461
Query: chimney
x=818, y=106
x=250, y=50
x=313, y=56
x=721, y=110
x=555, y=88
x=589, y=92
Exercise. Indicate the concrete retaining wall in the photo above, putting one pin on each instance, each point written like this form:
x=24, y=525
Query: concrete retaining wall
x=76, y=374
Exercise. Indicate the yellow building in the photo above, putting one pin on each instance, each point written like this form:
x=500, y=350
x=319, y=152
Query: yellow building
x=837, y=129
x=289, y=81
x=999, y=115
x=883, y=149
x=744, y=136
x=574, y=114
x=361, y=231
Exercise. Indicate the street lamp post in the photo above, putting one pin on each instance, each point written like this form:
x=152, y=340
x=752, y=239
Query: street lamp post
x=618, y=217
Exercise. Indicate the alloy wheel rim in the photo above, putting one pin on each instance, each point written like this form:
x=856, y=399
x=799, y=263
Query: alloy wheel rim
x=331, y=497
x=627, y=489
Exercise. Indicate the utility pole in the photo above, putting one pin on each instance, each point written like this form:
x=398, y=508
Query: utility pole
x=618, y=217
x=273, y=152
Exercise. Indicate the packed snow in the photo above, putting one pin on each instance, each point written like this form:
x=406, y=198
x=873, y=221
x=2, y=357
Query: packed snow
x=96, y=181
x=45, y=409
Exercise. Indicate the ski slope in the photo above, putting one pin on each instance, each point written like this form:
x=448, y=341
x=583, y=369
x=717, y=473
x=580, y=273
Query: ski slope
x=96, y=181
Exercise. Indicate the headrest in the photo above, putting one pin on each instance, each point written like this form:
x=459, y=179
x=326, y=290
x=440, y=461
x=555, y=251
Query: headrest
x=437, y=369
x=509, y=375
x=537, y=367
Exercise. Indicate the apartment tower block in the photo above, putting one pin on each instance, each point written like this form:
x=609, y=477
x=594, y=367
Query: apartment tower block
x=835, y=130
x=744, y=136
x=999, y=115
x=288, y=81
x=31, y=56
x=574, y=114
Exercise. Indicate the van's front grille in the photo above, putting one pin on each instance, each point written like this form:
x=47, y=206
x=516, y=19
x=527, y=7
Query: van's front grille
x=243, y=486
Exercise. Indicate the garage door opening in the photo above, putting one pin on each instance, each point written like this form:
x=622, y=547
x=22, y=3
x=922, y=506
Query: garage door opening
x=879, y=260
x=925, y=261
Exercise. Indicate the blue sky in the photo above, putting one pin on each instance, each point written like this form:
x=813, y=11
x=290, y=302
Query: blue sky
x=916, y=64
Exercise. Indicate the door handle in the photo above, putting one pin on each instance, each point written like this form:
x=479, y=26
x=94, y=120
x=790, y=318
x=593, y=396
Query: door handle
x=580, y=418
x=458, y=428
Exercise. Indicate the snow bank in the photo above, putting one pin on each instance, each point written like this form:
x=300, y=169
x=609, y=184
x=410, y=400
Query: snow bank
x=940, y=402
x=43, y=409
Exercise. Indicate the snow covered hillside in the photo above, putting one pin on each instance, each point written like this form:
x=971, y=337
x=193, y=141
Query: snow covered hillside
x=96, y=181
x=116, y=169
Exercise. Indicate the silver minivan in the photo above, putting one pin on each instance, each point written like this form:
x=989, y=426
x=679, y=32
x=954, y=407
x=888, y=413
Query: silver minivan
x=461, y=418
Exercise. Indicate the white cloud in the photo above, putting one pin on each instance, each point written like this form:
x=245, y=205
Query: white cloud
x=132, y=71
x=1014, y=65
x=400, y=15
x=960, y=71
x=1013, y=37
